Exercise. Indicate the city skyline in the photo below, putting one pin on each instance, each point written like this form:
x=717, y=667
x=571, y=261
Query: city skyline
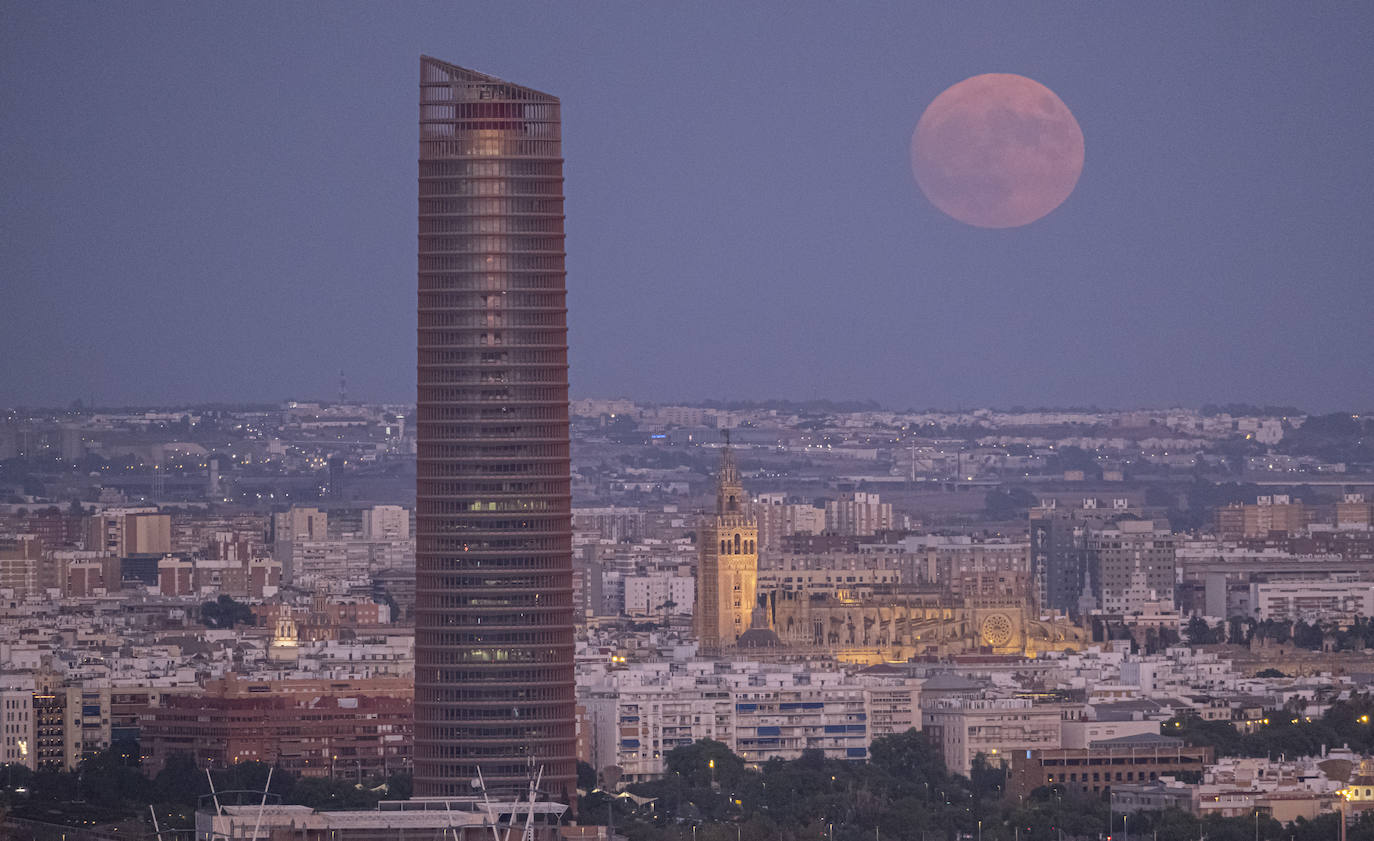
x=1212, y=250
x=657, y=542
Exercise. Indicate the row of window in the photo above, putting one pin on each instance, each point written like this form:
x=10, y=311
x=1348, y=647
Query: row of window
x=502, y=543
x=495, y=506
x=552, y=358
x=492, y=282
x=491, y=225
x=498, y=299
x=439, y=642
x=476, y=694
x=495, y=317
x=495, y=622
x=552, y=489
x=486, y=109
x=434, y=188
x=492, y=206
x=496, y=262
x=439, y=84
x=491, y=376
x=478, y=167
x=438, y=463
x=737, y=546
x=428, y=567
x=459, y=337
x=464, y=130
x=507, y=395
x=438, y=776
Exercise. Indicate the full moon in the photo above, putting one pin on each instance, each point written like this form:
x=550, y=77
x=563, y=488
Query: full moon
x=997, y=151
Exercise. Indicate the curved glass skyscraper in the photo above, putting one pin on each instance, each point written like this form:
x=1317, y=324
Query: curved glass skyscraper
x=493, y=552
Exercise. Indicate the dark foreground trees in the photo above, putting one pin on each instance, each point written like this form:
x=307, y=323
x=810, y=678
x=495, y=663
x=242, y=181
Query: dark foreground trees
x=111, y=786
x=903, y=792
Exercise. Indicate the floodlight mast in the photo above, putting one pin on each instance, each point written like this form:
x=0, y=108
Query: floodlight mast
x=213, y=795
x=528, y=834
x=263, y=805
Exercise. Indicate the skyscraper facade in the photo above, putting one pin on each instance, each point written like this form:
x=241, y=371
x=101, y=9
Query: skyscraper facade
x=494, y=688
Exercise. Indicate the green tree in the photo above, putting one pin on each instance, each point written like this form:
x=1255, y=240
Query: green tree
x=226, y=613
x=1198, y=631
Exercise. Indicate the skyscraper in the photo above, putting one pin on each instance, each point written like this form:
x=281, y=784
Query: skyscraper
x=493, y=546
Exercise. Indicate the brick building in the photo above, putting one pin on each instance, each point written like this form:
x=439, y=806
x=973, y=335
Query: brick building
x=1129, y=759
x=315, y=728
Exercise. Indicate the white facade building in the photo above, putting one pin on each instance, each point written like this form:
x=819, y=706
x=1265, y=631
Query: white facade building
x=386, y=522
x=761, y=711
x=994, y=727
x=659, y=595
x=1307, y=600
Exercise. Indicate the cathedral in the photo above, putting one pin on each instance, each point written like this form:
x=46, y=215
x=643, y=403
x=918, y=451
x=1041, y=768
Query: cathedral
x=734, y=618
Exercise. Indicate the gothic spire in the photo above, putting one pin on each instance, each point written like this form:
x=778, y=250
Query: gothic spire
x=729, y=489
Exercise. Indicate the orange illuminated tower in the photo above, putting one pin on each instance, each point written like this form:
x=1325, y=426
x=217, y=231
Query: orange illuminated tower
x=493, y=552
x=727, y=563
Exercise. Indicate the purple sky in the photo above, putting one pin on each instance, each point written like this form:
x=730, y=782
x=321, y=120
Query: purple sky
x=217, y=201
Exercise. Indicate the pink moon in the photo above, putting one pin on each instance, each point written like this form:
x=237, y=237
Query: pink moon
x=997, y=151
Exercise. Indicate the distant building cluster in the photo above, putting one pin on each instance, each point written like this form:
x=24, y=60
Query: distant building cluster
x=1047, y=591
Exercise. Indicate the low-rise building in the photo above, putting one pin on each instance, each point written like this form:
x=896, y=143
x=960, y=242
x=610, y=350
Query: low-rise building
x=1096, y=768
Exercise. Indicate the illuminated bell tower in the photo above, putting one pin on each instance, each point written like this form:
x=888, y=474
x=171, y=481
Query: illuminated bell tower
x=728, y=563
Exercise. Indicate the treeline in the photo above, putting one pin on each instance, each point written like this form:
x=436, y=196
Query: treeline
x=111, y=786
x=1286, y=732
x=1314, y=636
x=903, y=792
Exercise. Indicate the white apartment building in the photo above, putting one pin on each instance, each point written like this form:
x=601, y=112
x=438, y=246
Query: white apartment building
x=297, y=525
x=1308, y=600
x=17, y=728
x=659, y=594
x=386, y=522
x=857, y=514
x=994, y=727
x=778, y=518
x=761, y=711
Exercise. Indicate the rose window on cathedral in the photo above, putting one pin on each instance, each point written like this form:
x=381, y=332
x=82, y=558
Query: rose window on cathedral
x=996, y=630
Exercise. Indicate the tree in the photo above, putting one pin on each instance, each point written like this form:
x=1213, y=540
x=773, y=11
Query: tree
x=1198, y=631
x=704, y=762
x=226, y=613
x=179, y=781
x=988, y=779
x=1308, y=636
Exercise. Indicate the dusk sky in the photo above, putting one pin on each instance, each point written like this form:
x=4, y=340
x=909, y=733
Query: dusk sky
x=217, y=202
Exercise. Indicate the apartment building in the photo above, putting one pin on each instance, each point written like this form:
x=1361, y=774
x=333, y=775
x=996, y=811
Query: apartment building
x=634, y=717
x=963, y=728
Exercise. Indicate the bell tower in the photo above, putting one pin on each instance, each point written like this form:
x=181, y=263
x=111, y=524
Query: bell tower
x=728, y=562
